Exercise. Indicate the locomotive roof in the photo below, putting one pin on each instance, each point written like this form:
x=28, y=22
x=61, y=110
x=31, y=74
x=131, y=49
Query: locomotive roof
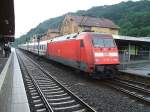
x=61, y=38
x=65, y=37
x=73, y=36
x=35, y=43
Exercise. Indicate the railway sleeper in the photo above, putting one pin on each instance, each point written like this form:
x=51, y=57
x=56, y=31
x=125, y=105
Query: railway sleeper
x=48, y=87
x=61, y=103
x=57, y=95
x=45, y=83
x=65, y=104
x=50, y=90
x=37, y=101
x=41, y=110
x=35, y=97
x=59, y=99
x=40, y=77
x=33, y=91
x=81, y=110
x=39, y=106
x=56, y=92
x=44, y=79
x=30, y=86
x=33, y=94
x=68, y=108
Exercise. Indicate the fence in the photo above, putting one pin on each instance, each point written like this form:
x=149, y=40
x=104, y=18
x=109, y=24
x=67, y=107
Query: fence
x=127, y=58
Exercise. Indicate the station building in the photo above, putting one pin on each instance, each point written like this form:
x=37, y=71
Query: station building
x=133, y=48
x=74, y=24
x=7, y=23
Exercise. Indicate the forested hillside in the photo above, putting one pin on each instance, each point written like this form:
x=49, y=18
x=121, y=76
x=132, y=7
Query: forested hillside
x=133, y=18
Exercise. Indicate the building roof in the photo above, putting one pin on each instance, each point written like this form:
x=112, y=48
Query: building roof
x=129, y=38
x=91, y=21
x=7, y=20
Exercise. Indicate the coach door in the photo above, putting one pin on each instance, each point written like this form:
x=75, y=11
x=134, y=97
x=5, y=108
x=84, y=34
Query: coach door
x=82, y=55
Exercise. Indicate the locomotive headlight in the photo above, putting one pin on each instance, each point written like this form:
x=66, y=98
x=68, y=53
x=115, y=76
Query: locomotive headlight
x=113, y=54
x=99, y=54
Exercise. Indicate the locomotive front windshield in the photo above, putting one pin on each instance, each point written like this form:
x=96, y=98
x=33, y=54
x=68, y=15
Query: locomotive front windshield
x=103, y=42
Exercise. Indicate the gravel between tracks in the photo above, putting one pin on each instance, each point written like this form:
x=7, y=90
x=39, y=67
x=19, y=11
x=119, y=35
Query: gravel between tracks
x=93, y=92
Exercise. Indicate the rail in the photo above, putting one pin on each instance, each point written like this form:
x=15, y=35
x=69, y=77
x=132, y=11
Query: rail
x=137, y=90
x=49, y=92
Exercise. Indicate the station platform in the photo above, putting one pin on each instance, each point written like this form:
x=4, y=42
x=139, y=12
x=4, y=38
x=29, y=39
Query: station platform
x=136, y=71
x=2, y=63
x=139, y=69
x=12, y=92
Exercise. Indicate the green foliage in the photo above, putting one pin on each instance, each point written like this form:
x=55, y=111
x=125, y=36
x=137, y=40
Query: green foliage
x=133, y=18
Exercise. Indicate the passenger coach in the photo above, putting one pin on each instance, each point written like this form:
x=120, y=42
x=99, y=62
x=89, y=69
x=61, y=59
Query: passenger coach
x=91, y=52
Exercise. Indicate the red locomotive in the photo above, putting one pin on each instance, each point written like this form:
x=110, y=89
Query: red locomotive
x=94, y=53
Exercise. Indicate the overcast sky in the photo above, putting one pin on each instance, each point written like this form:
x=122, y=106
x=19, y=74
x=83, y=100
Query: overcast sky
x=29, y=13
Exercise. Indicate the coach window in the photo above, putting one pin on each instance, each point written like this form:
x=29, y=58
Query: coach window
x=81, y=43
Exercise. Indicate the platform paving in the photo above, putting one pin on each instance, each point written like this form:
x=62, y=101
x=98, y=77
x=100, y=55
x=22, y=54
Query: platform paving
x=12, y=94
x=2, y=63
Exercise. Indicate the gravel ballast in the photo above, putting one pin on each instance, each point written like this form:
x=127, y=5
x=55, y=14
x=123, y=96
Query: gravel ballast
x=94, y=92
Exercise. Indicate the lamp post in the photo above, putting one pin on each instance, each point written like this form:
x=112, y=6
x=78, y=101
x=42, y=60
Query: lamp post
x=38, y=40
x=34, y=37
x=27, y=43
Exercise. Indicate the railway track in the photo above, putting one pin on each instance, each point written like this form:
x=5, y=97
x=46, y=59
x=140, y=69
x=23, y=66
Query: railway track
x=137, y=90
x=45, y=93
